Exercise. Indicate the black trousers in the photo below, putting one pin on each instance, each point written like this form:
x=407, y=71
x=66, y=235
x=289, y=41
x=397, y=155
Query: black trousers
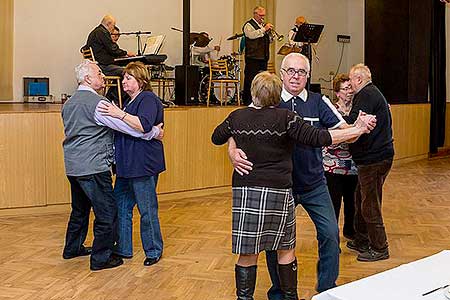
x=113, y=95
x=252, y=68
x=92, y=191
x=342, y=187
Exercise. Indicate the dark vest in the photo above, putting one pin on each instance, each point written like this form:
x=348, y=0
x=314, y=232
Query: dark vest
x=257, y=48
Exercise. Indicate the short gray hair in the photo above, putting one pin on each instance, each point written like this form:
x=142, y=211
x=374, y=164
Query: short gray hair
x=297, y=56
x=82, y=70
x=362, y=70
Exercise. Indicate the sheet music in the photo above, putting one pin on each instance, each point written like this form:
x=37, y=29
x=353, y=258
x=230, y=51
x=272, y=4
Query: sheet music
x=154, y=43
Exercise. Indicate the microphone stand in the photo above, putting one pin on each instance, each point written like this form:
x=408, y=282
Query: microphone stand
x=138, y=35
x=192, y=52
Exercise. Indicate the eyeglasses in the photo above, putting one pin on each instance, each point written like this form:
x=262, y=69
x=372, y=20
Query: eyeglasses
x=345, y=89
x=291, y=72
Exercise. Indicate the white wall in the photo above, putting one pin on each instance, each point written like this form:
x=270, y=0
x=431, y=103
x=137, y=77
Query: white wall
x=339, y=17
x=49, y=33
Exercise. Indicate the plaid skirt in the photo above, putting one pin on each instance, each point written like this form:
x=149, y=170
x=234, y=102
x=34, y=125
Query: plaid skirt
x=263, y=219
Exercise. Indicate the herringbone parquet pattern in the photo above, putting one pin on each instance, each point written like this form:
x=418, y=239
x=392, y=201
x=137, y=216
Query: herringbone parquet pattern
x=197, y=263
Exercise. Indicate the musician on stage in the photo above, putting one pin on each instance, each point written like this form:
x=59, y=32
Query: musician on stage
x=201, y=55
x=256, y=49
x=299, y=21
x=115, y=34
x=103, y=47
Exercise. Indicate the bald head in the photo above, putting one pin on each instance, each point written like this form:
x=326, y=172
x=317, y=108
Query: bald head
x=109, y=22
x=359, y=76
x=292, y=57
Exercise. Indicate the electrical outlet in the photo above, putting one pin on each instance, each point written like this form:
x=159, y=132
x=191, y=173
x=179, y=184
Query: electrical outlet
x=343, y=38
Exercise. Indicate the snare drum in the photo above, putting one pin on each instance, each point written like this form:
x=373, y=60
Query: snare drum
x=232, y=65
x=229, y=92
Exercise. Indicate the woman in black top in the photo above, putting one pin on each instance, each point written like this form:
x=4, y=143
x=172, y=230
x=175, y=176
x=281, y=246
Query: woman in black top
x=263, y=214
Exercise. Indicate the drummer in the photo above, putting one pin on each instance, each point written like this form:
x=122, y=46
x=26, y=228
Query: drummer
x=201, y=55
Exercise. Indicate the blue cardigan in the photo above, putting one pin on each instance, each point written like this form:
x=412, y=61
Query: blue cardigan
x=136, y=157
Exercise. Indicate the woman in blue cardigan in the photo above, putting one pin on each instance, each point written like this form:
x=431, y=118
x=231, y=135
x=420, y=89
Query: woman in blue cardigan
x=139, y=163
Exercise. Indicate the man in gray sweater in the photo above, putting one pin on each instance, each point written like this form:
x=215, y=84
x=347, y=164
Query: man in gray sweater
x=88, y=156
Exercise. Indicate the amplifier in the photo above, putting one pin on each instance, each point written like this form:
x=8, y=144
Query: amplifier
x=39, y=99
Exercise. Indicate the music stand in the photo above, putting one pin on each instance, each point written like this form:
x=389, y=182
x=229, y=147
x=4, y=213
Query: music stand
x=308, y=34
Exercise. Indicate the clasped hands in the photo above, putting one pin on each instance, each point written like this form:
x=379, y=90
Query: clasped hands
x=365, y=122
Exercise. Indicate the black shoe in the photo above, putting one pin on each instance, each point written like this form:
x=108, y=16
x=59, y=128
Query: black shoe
x=349, y=236
x=123, y=256
x=113, y=261
x=372, y=255
x=151, y=261
x=357, y=247
x=84, y=251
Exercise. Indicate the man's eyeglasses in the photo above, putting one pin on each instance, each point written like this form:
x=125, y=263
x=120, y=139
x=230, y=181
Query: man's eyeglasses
x=291, y=72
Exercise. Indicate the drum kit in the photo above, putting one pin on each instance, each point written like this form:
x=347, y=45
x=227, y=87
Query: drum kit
x=234, y=72
x=234, y=61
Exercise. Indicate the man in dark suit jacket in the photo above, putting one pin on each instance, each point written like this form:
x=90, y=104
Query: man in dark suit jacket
x=104, y=49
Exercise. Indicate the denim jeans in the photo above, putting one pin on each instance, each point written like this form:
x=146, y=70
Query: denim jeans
x=318, y=205
x=368, y=199
x=141, y=191
x=92, y=191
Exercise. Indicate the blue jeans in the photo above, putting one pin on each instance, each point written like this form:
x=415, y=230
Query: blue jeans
x=92, y=191
x=141, y=191
x=318, y=205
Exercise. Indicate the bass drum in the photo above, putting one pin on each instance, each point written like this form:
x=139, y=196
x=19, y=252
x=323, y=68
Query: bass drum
x=229, y=92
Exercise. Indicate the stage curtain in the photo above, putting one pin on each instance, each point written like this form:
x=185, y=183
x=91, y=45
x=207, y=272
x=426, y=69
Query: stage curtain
x=6, y=49
x=437, y=77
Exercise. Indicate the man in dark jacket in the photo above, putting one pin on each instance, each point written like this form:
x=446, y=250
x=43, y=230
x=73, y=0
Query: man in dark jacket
x=373, y=154
x=103, y=47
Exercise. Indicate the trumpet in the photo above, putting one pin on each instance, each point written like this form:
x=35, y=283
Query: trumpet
x=274, y=35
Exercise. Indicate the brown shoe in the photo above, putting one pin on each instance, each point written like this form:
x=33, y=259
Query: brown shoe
x=372, y=255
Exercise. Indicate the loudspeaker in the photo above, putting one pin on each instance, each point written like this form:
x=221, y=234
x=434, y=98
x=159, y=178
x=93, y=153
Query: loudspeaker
x=186, y=94
x=315, y=87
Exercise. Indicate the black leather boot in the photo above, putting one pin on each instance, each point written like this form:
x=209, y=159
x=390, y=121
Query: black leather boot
x=245, y=282
x=288, y=280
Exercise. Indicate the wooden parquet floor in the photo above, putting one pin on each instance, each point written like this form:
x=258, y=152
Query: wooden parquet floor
x=197, y=261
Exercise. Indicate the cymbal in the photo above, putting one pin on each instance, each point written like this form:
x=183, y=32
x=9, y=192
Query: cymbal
x=235, y=36
x=199, y=39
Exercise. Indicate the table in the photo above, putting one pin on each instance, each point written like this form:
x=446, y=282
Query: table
x=405, y=282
